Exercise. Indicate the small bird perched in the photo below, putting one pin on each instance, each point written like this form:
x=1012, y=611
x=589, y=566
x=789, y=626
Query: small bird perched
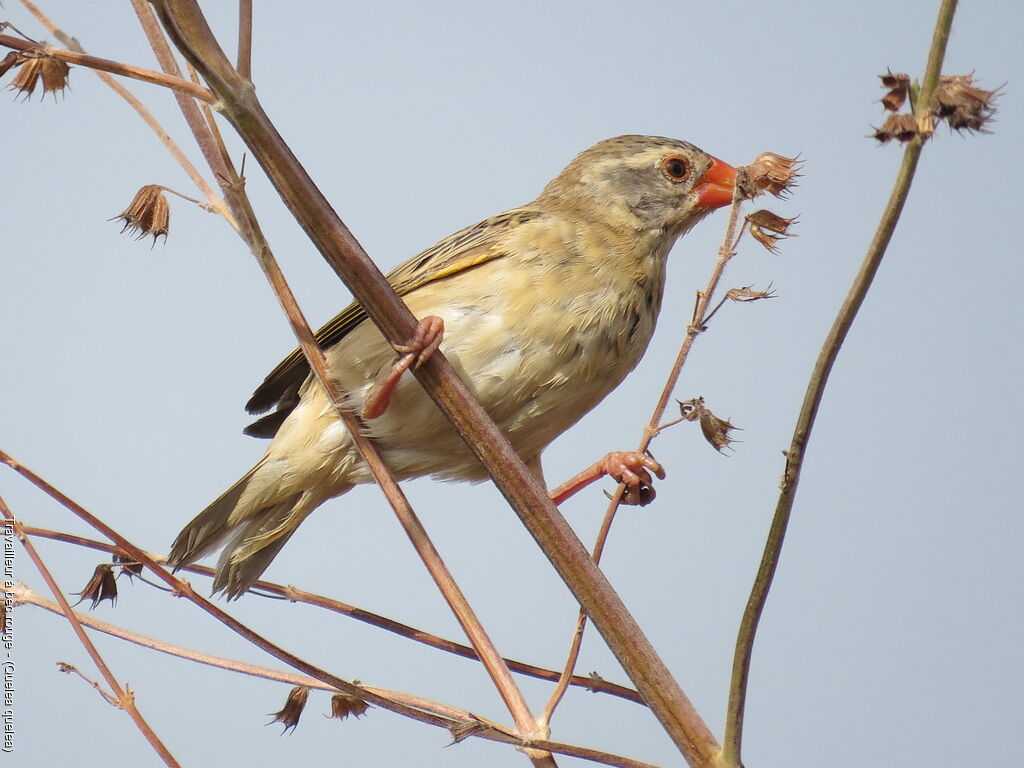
x=544, y=309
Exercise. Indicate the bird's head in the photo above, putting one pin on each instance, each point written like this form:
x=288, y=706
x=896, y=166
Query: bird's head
x=643, y=183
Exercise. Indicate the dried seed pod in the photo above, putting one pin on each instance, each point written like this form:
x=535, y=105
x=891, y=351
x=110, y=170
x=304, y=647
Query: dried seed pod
x=149, y=213
x=292, y=710
x=898, y=85
x=102, y=586
x=39, y=68
x=768, y=228
x=343, y=705
x=772, y=222
x=771, y=173
x=716, y=431
x=961, y=105
x=900, y=127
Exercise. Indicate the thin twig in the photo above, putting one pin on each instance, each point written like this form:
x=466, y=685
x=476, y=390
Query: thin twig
x=184, y=589
x=725, y=252
x=63, y=666
x=244, y=66
x=121, y=697
x=296, y=595
x=25, y=595
x=161, y=133
x=114, y=67
x=432, y=712
x=732, y=747
x=212, y=149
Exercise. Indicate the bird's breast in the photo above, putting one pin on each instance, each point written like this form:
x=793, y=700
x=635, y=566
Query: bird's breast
x=542, y=335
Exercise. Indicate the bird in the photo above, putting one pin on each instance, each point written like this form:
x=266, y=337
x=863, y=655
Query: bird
x=543, y=310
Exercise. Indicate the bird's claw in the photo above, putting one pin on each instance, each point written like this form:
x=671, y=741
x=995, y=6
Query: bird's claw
x=633, y=469
x=414, y=352
x=424, y=342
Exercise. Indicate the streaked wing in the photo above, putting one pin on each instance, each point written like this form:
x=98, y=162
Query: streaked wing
x=463, y=250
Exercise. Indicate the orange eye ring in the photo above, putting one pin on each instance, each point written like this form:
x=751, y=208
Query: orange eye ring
x=676, y=169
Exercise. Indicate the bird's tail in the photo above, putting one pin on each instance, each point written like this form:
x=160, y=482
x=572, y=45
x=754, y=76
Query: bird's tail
x=251, y=527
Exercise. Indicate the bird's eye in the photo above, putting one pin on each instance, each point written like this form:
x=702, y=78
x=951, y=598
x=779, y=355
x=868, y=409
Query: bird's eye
x=676, y=169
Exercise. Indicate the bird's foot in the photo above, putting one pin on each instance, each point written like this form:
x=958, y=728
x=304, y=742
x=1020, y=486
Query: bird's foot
x=414, y=352
x=629, y=467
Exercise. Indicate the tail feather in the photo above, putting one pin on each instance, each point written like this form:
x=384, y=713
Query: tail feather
x=252, y=530
x=211, y=527
x=255, y=543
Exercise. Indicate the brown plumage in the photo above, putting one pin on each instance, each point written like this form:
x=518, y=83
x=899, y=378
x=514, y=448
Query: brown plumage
x=546, y=309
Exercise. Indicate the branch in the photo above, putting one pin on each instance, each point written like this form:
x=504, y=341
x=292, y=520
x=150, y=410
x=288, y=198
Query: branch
x=812, y=398
x=432, y=713
x=295, y=595
x=190, y=170
x=184, y=589
x=122, y=697
x=696, y=326
x=114, y=67
x=245, y=39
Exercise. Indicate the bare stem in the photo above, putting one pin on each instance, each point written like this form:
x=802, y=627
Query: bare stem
x=732, y=748
x=725, y=252
x=245, y=39
x=209, y=144
x=184, y=589
x=120, y=696
x=114, y=67
x=432, y=712
x=161, y=133
x=296, y=595
x=24, y=595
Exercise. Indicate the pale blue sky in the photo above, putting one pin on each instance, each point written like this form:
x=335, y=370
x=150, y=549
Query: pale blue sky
x=893, y=634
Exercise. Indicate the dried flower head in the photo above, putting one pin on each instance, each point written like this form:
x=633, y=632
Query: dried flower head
x=102, y=586
x=771, y=173
x=149, y=213
x=768, y=228
x=898, y=85
x=292, y=710
x=772, y=222
x=900, y=127
x=343, y=705
x=715, y=430
x=961, y=105
x=39, y=68
x=957, y=101
x=768, y=241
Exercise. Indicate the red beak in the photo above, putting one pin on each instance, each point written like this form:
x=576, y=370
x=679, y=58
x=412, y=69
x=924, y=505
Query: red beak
x=717, y=185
